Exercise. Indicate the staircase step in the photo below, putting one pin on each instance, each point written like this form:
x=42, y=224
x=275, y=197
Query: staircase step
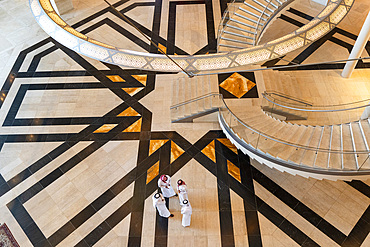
x=288, y=150
x=366, y=130
x=269, y=8
x=252, y=14
x=335, y=159
x=349, y=161
x=297, y=154
x=195, y=97
x=239, y=35
x=360, y=144
x=265, y=142
x=243, y=23
x=284, y=135
x=366, y=163
x=236, y=41
x=270, y=3
x=322, y=158
x=251, y=137
x=250, y=6
x=247, y=19
x=310, y=155
x=280, y=2
x=241, y=29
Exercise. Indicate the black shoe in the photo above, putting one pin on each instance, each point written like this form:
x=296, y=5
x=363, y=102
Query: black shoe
x=171, y=216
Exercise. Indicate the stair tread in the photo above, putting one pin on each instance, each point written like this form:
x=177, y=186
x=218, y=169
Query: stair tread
x=271, y=131
x=335, y=159
x=283, y=135
x=297, y=154
x=288, y=150
x=322, y=156
x=310, y=155
x=349, y=161
x=360, y=145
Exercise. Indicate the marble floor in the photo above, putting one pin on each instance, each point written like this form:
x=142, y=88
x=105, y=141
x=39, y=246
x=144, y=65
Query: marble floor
x=82, y=143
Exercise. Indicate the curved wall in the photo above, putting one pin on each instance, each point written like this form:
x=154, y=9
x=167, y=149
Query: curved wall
x=58, y=29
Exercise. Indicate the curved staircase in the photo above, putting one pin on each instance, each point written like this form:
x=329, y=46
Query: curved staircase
x=244, y=22
x=332, y=151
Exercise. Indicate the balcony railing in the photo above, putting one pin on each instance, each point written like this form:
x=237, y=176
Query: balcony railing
x=326, y=149
x=59, y=30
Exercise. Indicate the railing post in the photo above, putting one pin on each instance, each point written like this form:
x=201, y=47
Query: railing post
x=359, y=46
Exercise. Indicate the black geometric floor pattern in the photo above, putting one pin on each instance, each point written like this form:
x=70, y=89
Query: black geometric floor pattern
x=135, y=205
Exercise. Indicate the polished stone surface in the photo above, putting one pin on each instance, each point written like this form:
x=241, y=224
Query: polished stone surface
x=82, y=144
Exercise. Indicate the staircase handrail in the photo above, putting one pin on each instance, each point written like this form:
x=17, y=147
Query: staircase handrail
x=221, y=26
x=296, y=108
x=256, y=35
x=305, y=147
x=59, y=30
x=286, y=96
x=194, y=99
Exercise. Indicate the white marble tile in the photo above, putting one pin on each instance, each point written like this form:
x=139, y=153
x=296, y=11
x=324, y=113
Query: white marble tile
x=148, y=230
x=15, y=157
x=205, y=218
x=68, y=103
x=239, y=222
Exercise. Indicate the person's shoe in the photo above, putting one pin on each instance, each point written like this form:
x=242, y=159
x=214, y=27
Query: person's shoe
x=171, y=216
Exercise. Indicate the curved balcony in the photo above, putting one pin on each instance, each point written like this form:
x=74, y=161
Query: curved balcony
x=339, y=151
x=58, y=29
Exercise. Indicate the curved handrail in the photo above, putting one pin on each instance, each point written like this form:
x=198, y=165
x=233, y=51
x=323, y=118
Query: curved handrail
x=290, y=143
x=194, y=99
x=58, y=29
x=259, y=21
x=224, y=20
x=269, y=93
x=257, y=35
x=226, y=16
x=320, y=106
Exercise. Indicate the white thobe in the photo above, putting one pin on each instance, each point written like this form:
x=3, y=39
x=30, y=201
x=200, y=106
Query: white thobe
x=167, y=192
x=183, y=193
x=160, y=205
x=186, y=212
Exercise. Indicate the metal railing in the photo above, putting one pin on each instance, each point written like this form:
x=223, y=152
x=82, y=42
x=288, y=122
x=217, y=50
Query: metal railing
x=59, y=30
x=272, y=95
x=316, y=114
x=245, y=132
x=262, y=21
x=224, y=20
x=194, y=100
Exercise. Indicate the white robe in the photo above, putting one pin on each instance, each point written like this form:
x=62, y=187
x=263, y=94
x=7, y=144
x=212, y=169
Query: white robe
x=160, y=205
x=186, y=212
x=183, y=193
x=166, y=192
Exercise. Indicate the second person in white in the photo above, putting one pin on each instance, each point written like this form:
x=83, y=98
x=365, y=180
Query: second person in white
x=164, y=182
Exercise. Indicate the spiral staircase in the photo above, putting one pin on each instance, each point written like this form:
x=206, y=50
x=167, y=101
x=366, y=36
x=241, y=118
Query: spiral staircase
x=339, y=151
x=243, y=23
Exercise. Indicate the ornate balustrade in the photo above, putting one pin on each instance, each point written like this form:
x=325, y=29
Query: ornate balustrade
x=59, y=30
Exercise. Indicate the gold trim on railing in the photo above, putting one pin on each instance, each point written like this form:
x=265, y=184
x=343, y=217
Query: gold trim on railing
x=54, y=26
